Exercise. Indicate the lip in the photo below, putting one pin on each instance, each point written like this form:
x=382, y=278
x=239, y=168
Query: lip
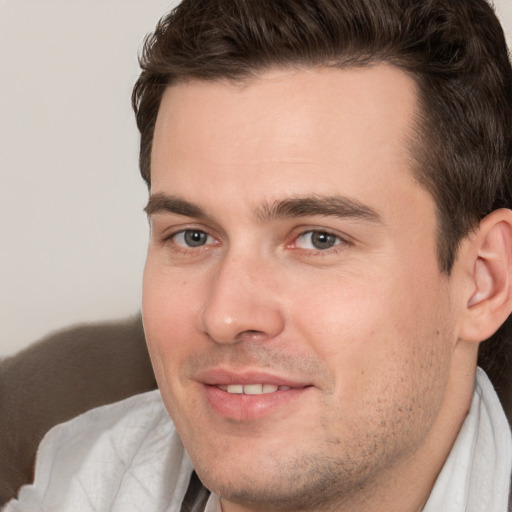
x=247, y=408
x=224, y=377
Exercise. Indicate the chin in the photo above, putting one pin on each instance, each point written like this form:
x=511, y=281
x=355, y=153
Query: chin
x=277, y=486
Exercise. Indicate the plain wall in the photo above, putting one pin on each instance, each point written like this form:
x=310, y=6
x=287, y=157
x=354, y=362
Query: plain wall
x=72, y=232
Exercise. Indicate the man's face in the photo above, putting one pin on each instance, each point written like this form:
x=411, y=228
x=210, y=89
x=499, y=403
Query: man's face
x=293, y=256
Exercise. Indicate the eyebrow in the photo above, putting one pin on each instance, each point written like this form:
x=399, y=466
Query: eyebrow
x=163, y=203
x=325, y=206
x=308, y=206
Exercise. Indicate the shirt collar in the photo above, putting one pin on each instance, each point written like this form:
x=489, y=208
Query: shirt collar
x=476, y=474
x=213, y=504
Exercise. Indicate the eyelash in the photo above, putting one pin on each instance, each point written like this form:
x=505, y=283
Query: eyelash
x=170, y=240
x=339, y=242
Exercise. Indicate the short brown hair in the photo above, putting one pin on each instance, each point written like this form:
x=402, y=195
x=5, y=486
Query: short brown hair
x=454, y=49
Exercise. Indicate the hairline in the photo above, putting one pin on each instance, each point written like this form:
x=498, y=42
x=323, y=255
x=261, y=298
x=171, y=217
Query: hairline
x=420, y=123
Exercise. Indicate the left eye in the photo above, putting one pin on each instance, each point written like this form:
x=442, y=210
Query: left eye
x=192, y=238
x=317, y=240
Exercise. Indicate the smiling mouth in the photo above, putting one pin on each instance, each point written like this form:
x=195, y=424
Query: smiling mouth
x=247, y=398
x=253, y=389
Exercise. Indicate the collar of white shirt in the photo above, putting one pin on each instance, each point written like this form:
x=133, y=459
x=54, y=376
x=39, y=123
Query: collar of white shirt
x=213, y=504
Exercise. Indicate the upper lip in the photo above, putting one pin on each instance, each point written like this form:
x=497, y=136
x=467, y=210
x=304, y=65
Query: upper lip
x=226, y=377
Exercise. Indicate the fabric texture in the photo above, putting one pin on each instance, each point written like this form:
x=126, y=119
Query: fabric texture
x=213, y=504
x=476, y=474
x=127, y=457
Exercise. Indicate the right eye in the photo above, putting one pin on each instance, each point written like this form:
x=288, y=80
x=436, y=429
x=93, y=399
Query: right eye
x=190, y=238
x=318, y=240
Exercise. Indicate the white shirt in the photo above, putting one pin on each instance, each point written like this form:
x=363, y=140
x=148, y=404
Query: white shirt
x=127, y=457
x=476, y=474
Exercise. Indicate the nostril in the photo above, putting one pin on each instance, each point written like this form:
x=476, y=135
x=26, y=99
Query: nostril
x=250, y=334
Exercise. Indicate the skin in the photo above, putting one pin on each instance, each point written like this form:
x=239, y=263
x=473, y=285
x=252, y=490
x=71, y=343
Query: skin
x=369, y=329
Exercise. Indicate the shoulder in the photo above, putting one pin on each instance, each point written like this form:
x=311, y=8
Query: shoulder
x=123, y=456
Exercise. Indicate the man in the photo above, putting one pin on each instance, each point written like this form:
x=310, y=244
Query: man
x=331, y=241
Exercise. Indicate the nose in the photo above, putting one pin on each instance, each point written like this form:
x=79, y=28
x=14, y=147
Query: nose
x=242, y=302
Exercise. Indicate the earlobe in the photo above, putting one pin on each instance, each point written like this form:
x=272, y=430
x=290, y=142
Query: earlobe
x=490, y=301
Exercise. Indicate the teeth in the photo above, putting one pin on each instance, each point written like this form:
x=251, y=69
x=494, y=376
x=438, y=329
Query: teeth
x=253, y=389
x=235, y=388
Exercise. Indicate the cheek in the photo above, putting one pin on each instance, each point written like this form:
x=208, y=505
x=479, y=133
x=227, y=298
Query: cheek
x=376, y=329
x=388, y=356
x=169, y=318
x=169, y=311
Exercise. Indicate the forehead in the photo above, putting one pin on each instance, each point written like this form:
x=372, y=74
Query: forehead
x=310, y=127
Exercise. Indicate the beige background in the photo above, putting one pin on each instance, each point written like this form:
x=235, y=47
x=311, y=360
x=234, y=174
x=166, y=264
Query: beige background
x=72, y=231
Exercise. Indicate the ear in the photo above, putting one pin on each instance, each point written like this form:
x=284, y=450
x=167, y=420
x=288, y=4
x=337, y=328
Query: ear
x=488, y=263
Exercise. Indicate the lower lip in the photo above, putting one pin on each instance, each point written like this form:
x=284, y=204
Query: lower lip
x=240, y=407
